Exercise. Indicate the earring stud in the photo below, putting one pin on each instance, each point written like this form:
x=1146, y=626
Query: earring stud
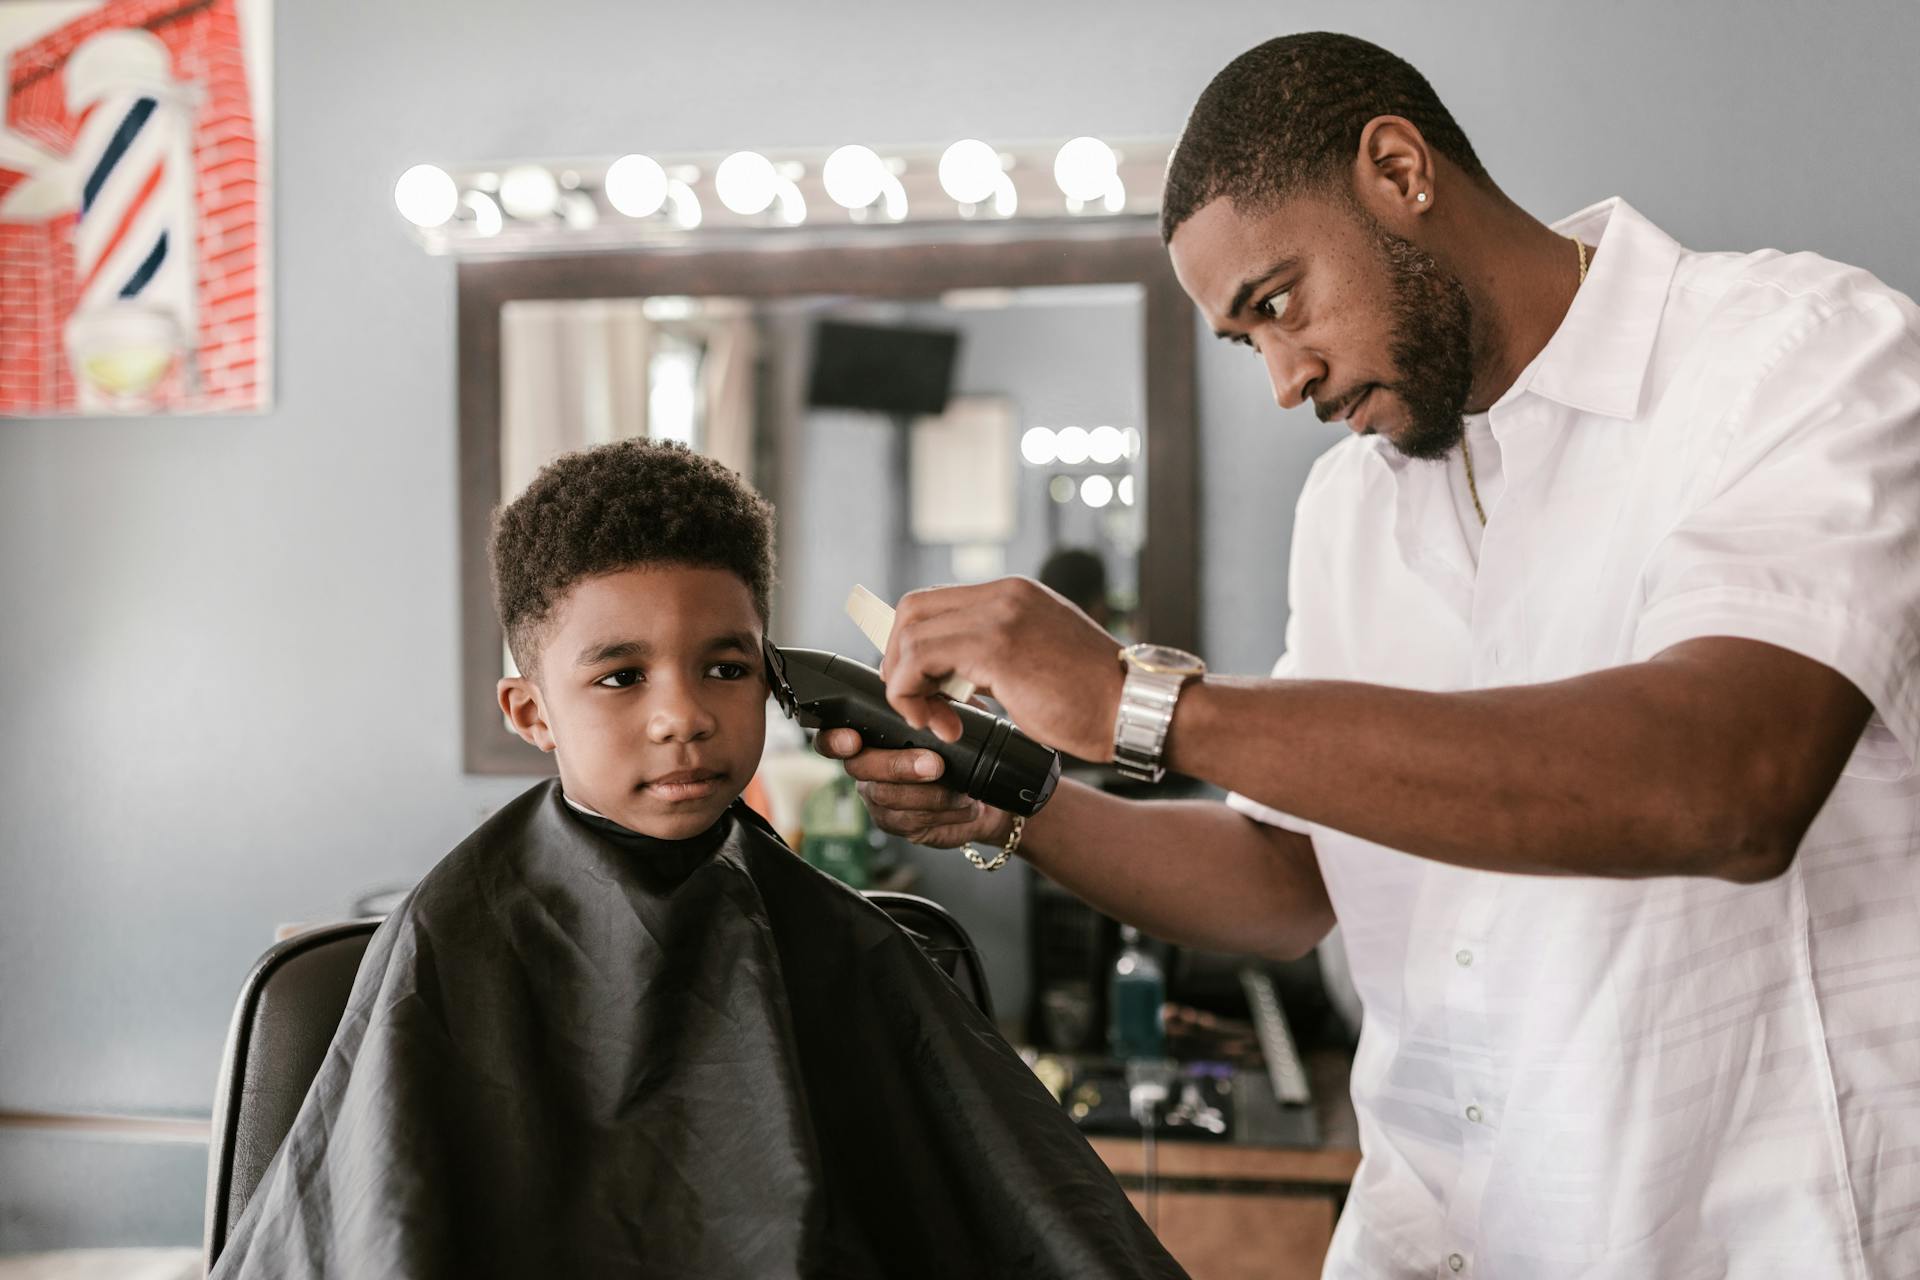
x=1422, y=197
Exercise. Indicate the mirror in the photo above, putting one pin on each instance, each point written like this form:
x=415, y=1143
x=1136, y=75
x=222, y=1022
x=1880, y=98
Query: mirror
x=903, y=444
x=932, y=425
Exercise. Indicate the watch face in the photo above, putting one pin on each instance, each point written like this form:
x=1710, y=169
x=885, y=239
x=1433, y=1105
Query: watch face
x=1160, y=659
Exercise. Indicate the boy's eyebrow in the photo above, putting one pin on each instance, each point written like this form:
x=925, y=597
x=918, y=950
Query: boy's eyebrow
x=613, y=650
x=607, y=650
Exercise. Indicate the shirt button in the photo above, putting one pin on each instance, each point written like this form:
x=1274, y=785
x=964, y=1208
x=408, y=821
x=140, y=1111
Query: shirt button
x=1473, y=1114
x=1455, y=1261
x=1463, y=957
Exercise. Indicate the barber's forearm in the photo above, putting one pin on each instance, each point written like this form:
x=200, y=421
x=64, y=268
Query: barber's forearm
x=1189, y=872
x=1621, y=773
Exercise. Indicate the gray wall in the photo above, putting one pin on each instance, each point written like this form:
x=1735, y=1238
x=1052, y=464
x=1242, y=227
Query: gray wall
x=229, y=646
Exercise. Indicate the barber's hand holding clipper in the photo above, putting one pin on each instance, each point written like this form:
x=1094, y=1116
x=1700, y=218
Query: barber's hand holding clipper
x=1057, y=673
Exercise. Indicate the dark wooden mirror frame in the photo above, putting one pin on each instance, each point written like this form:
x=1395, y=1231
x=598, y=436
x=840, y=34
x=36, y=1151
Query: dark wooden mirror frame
x=1119, y=253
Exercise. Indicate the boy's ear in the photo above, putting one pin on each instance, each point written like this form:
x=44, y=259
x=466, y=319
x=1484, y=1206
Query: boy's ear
x=520, y=704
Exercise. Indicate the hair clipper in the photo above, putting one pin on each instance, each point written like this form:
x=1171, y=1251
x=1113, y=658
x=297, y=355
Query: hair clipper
x=993, y=762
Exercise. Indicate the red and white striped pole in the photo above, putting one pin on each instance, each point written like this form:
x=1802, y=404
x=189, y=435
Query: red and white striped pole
x=134, y=247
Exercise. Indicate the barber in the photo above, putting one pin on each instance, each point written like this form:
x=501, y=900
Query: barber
x=1596, y=724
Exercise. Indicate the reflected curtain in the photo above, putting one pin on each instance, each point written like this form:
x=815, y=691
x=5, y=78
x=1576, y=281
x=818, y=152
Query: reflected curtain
x=573, y=374
x=727, y=384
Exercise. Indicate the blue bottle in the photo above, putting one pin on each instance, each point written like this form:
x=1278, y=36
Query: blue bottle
x=1136, y=993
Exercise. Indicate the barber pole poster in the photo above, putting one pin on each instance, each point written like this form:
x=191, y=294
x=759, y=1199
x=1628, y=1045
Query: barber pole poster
x=133, y=207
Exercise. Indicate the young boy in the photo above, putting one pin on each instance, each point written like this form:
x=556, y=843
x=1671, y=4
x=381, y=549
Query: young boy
x=622, y=1030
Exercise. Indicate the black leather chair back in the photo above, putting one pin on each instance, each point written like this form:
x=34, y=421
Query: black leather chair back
x=289, y=1008
x=941, y=937
x=291, y=1004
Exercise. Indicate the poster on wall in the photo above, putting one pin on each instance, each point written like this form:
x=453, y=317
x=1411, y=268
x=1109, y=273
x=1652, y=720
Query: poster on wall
x=133, y=207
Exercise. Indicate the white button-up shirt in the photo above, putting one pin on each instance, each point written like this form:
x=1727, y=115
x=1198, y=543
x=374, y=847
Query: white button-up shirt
x=1666, y=1078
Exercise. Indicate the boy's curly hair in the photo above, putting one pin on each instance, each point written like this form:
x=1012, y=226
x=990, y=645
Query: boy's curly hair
x=621, y=506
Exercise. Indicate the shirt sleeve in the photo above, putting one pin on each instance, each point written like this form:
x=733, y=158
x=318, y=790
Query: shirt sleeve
x=1809, y=535
x=1288, y=667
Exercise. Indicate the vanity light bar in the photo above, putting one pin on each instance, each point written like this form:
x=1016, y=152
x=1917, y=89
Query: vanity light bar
x=572, y=205
x=1102, y=446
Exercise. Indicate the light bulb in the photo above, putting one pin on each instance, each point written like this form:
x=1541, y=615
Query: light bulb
x=426, y=196
x=636, y=185
x=1073, y=445
x=528, y=191
x=746, y=182
x=683, y=205
x=969, y=171
x=1106, y=445
x=486, y=214
x=1096, y=491
x=1060, y=489
x=893, y=199
x=1084, y=167
x=1036, y=446
x=793, y=205
x=579, y=210
x=1124, y=490
x=853, y=176
x=1006, y=200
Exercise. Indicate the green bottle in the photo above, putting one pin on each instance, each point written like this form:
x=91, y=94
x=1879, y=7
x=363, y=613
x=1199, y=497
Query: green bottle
x=834, y=832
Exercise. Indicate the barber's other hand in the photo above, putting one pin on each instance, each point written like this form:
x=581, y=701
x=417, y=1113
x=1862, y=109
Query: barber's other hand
x=902, y=792
x=1052, y=667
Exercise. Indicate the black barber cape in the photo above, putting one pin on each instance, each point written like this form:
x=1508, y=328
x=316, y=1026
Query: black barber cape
x=576, y=1051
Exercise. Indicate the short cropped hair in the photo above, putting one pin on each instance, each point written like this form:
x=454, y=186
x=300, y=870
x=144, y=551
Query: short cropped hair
x=1285, y=118
x=1078, y=574
x=625, y=505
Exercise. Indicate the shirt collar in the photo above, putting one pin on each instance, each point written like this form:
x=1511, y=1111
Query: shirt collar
x=1597, y=359
x=580, y=808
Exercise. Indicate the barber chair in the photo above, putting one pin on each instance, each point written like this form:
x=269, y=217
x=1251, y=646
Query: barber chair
x=290, y=1006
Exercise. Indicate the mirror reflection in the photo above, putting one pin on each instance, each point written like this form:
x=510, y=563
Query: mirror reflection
x=904, y=443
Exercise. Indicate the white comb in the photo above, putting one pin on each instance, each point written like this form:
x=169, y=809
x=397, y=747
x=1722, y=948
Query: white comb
x=874, y=617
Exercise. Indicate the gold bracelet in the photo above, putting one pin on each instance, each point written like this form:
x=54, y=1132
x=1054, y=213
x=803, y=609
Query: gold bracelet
x=1006, y=850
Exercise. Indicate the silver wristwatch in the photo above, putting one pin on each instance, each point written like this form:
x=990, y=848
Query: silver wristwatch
x=1155, y=677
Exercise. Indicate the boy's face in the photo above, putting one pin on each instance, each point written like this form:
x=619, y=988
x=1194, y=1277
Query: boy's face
x=651, y=695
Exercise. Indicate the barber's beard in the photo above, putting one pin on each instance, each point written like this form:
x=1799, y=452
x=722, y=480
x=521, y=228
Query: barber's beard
x=1432, y=347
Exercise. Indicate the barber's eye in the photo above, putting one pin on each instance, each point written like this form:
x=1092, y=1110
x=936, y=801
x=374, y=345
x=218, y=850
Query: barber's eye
x=1275, y=305
x=624, y=678
x=729, y=670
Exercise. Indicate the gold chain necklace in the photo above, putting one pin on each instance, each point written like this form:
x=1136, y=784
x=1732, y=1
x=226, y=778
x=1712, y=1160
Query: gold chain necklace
x=1466, y=453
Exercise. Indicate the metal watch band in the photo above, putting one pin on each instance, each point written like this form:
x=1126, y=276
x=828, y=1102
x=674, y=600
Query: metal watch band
x=1140, y=730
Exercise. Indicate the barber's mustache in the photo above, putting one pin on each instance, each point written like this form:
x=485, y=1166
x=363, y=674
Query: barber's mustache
x=1329, y=410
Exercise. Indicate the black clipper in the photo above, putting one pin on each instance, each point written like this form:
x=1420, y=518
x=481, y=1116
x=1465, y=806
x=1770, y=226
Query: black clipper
x=993, y=762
